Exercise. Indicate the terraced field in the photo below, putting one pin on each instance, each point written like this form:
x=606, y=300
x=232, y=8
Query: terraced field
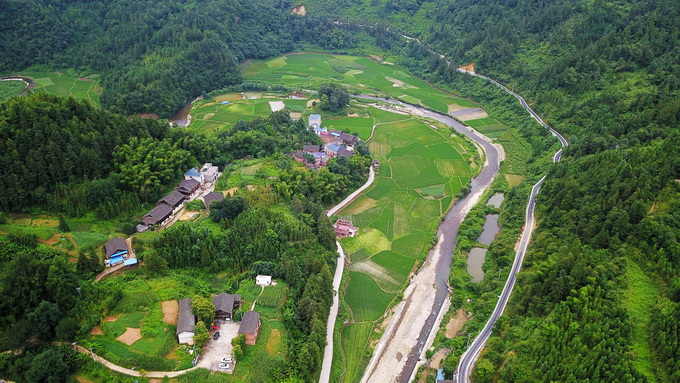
x=83, y=88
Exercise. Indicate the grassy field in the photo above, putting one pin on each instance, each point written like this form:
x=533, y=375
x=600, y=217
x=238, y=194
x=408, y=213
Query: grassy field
x=83, y=88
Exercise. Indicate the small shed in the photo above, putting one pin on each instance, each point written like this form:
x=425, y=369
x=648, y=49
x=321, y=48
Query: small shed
x=186, y=322
x=116, y=260
x=250, y=326
x=131, y=263
x=263, y=280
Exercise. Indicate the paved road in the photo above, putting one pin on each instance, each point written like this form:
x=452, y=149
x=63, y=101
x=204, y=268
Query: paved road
x=337, y=278
x=469, y=358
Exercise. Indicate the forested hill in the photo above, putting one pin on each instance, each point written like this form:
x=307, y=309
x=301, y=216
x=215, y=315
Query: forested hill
x=153, y=54
x=598, y=298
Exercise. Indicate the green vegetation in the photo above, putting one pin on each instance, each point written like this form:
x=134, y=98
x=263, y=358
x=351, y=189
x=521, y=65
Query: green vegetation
x=9, y=89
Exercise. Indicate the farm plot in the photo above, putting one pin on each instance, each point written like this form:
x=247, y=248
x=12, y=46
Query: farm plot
x=310, y=70
x=397, y=216
x=83, y=88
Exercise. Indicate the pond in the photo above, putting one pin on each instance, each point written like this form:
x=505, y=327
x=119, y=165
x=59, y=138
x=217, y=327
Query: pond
x=476, y=258
x=496, y=200
x=490, y=229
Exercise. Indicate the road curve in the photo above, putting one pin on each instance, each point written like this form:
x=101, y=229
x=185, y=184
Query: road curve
x=337, y=278
x=469, y=358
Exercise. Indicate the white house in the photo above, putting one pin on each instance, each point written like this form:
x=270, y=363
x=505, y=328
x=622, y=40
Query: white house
x=314, y=121
x=209, y=172
x=263, y=280
x=194, y=174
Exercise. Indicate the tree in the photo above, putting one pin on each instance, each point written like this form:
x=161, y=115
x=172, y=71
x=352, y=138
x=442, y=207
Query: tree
x=203, y=308
x=333, y=97
x=309, y=158
x=48, y=367
x=201, y=334
x=63, y=226
x=239, y=340
x=237, y=352
x=66, y=330
x=44, y=319
x=155, y=264
x=228, y=208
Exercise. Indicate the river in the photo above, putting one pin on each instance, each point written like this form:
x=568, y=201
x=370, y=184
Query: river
x=438, y=262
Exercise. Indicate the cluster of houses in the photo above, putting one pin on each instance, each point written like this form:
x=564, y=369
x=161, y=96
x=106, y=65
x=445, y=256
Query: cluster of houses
x=225, y=307
x=335, y=144
x=187, y=190
x=117, y=252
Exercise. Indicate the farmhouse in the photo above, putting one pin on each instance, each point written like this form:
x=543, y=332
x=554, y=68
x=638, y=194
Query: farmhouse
x=344, y=228
x=210, y=197
x=174, y=200
x=186, y=322
x=250, y=326
x=116, y=247
x=188, y=187
x=225, y=305
x=348, y=139
x=376, y=164
x=314, y=121
x=194, y=174
x=344, y=152
x=320, y=130
x=157, y=215
x=209, y=172
x=332, y=150
x=263, y=280
x=311, y=148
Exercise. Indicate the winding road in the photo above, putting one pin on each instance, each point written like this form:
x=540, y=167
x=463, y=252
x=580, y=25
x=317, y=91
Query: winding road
x=469, y=358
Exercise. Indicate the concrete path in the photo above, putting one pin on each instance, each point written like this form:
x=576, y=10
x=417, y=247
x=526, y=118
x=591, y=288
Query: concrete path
x=337, y=278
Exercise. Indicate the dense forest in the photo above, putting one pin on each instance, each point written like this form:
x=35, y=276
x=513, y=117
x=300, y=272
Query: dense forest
x=154, y=55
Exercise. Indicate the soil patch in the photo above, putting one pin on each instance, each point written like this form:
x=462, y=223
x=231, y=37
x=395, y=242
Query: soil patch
x=468, y=68
x=170, y=310
x=513, y=179
x=312, y=101
x=352, y=114
x=112, y=318
x=455, y=107
x=53, y=240
x=85, y=79
x=376, y=58
x=230, y=193
x=96, y=330
x=456, y=323
x=80, y=379
x=273, y=342
x=130, y=336
x=189, y=215
x=295, y=116
x=472, y=116
x=276, y=105
x=438, y=357
x=299, y=10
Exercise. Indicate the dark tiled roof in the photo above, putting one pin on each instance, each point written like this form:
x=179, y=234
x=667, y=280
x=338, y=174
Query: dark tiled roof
x=311, y=148
x=115, y=245
x=186, y=321
x=173, y=199
x=345, y=153
x=348, y=138
x=188, y=186
x=225, y=302
x=212, y=196
x=157, y=214
x=249, y=323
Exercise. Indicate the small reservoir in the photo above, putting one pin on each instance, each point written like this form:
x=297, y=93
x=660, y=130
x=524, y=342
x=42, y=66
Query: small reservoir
x=496, y=200
x=475, y=260
x=490, y=230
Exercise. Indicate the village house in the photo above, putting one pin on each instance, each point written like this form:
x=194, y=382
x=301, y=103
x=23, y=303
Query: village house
x=186, y=322
x=311, y=148
x=263, y=280
x=225, y=305
x=174, y=200
x=344, y=152
x=320, y=160
x=314, y=121
x=332, y=150
x=116, y=251
x=250, y=326
x=209, y=172
x=376, y=165
x=344, y=228
x=210, y=197
x=194, y=174
x=157, y=216
x=349, y=139
x=188, y=187
x=320, y=130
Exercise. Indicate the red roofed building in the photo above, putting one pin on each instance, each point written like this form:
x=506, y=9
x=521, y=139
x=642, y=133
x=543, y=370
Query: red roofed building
x=344, y=228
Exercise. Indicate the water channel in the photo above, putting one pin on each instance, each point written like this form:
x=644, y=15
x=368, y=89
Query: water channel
x=441, y=253
x=30, y=84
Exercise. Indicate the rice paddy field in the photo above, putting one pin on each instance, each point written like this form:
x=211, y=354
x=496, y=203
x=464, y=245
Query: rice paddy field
x=365, y=76
x=82, y=88
x=421, y=170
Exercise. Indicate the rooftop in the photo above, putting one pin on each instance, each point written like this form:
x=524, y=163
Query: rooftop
x=249, y=323
x=186, y=321
x=115, y=245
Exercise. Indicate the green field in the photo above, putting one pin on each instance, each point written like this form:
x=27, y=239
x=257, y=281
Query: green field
x=421, y=170
x=310, y=70
x=83, y=88
x=10, y=89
